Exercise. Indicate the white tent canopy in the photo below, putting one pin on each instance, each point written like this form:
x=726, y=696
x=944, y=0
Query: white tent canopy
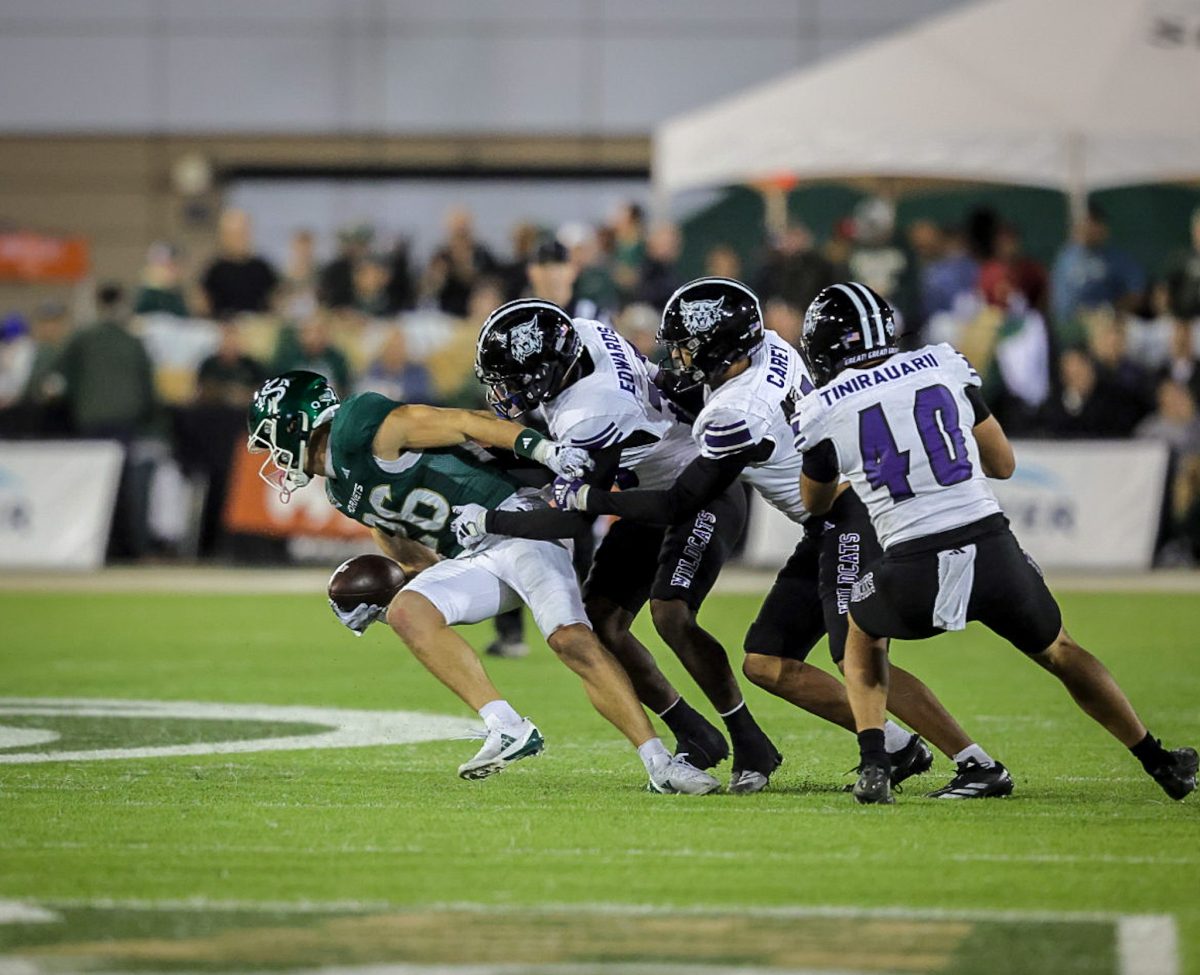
x=1067, y=94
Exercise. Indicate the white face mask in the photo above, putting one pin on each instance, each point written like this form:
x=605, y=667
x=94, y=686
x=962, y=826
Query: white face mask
x=280, y=469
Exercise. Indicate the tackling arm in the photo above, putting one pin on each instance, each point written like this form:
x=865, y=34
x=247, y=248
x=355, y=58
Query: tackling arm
x=551, y=523
x=699, y=483
x=427, y=427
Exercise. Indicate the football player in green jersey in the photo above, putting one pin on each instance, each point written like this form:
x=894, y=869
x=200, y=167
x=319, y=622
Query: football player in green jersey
x=400, y=469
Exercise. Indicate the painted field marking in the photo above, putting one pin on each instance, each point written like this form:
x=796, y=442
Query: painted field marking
x=1146, y=944
x=347, y=728
x=592, y=853
x=22, y=912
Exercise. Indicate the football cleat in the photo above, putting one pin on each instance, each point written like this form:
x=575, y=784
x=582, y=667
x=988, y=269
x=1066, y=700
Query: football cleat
x=681, y=777
x=501, y=747
x=874, y=786
x=512, y=649
x=743, y=780
x=913, y=759
x=976, y=781
x=1178, y=778
x=703, y=744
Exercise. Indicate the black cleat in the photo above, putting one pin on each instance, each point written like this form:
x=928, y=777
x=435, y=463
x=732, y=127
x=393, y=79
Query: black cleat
x=873, y=787
x=703, y=744
x=1178, y=777
x=913, y=759
x=752, y=767
x=976, y=781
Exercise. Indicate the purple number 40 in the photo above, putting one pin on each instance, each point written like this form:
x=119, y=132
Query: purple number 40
x=936, y=415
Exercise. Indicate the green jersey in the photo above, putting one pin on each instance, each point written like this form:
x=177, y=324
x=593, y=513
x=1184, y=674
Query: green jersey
x=413, y=495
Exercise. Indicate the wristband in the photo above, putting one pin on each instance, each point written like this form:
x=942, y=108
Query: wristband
x=528, y=441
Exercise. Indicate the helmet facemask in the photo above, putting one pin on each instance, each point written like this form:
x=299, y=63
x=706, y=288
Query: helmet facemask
x=525, y=363
x=716, y=322
x=688, y=374
x=282, y=469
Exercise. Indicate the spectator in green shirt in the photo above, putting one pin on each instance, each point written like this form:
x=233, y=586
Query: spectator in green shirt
x=105, y=375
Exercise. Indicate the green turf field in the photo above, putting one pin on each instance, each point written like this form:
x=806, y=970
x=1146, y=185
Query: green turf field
x=351, y=856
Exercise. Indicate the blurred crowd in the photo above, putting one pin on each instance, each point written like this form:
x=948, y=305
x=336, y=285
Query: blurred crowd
x=1087, y=347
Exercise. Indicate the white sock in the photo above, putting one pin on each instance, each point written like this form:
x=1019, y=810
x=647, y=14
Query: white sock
x=977, y=753
x=498, y=714
x=669, y=706
x=895, y=737
x=726, y=714
x=653, y=754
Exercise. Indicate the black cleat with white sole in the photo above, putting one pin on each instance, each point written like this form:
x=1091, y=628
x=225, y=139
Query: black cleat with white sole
x=874, y=786
x=913, y=759
x=976, y=781
x=1178, y=777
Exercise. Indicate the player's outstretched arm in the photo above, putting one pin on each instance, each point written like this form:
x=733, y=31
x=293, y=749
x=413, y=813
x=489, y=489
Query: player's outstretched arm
x=995, y=451
x=411, y=556
x=414, y=427
x=547, y=523
x=703, y=480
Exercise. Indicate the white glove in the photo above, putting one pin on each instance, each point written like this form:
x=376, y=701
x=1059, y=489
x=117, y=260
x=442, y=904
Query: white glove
x=469, y=524
x=358, y=619
x=564, y=460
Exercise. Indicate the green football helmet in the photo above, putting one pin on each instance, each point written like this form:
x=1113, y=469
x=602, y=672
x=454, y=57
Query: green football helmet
x=281, y=418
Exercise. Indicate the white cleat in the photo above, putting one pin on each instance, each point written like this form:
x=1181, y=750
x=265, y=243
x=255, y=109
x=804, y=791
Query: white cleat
x=746, y=782
x=501, y=747
x=681, y=777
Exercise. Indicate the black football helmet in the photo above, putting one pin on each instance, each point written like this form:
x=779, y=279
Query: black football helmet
x=846, y=324
x=525, y=350
x=716, y=321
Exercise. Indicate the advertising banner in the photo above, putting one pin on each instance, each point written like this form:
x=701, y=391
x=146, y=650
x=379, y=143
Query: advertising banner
x=255, y=508
x=56, y=502
x=1087, y=504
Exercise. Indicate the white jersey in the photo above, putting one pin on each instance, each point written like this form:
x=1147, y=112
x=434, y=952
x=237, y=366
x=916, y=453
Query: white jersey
x=902, y=432
x=754, y=407
x=615, y=401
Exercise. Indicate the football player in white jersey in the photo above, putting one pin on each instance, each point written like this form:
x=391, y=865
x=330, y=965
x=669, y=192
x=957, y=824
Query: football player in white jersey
x=752, y=382
x=915, y=439
x=583, y=381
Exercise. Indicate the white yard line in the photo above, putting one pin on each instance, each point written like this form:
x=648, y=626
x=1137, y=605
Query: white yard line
x=796, y=911
x=200, y=580
x=1147, y=944
x=592, y=853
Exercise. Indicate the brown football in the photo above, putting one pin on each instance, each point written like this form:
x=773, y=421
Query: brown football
x=371, y=579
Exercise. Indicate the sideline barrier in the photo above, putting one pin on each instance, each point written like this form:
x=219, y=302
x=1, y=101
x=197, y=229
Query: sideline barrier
x=56, y=502
x=1081, y=505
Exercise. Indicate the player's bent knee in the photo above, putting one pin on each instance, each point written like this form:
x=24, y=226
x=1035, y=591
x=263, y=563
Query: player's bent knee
x=575, y=643
x=761, y=669
x=672, y=618
x=1059, y=654
x=413, y=617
